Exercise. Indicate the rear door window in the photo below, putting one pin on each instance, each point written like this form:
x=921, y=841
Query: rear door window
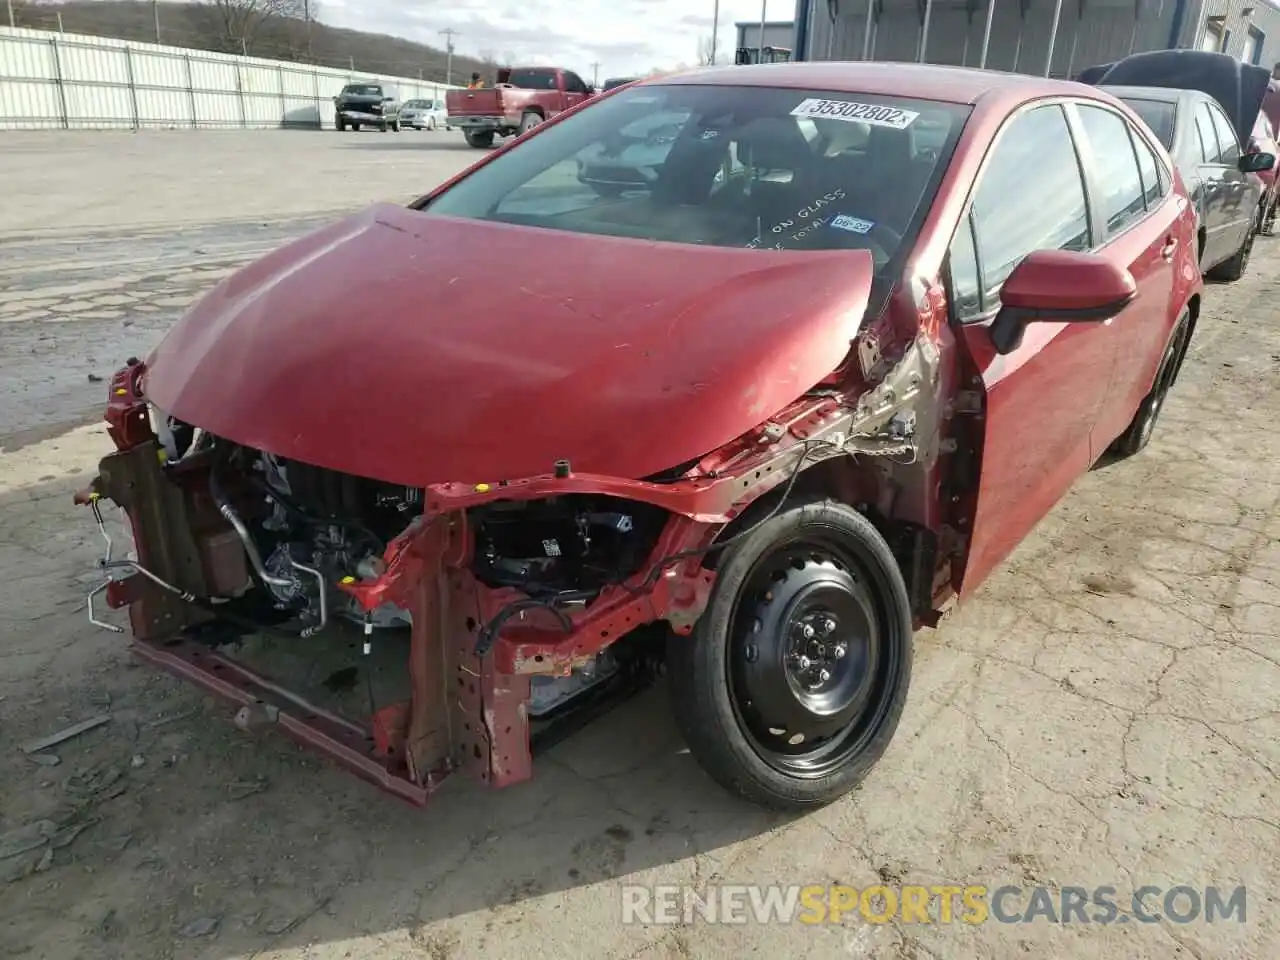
x=1155, y=179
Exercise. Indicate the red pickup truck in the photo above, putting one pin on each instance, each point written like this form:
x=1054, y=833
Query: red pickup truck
x=522, y=98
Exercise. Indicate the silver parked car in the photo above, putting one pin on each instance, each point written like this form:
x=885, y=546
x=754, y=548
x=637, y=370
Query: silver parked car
x=425, y=115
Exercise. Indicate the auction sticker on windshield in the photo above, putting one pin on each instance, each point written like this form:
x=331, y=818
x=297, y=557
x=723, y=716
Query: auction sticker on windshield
x=869, y=113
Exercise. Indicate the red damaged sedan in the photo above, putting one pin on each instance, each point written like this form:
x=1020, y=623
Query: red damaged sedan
x=839, y=338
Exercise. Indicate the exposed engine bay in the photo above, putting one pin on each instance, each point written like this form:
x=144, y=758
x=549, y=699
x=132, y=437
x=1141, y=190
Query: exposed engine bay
x=305, y=527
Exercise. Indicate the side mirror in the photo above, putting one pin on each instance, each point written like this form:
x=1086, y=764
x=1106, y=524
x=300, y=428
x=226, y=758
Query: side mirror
x=1059, y=286
x=1256, y=162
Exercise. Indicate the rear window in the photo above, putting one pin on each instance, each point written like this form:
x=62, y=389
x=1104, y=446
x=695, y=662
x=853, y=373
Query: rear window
x=533, y=79
x=724, y=166
x=1156, y=114
x=362, y=90
x=418, y=105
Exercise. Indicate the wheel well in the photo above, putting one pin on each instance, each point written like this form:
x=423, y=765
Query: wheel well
x=1200, y=239
x=871, y=492
x=1193, y=314
x=537, y=110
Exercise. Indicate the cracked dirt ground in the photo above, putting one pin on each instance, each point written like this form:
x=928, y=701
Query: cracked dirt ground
x=1104, y=713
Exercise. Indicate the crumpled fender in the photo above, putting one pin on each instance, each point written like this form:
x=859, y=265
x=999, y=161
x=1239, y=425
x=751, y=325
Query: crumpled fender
x=419, y=349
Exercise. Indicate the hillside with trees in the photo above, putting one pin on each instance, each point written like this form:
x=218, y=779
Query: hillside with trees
x=276, y=29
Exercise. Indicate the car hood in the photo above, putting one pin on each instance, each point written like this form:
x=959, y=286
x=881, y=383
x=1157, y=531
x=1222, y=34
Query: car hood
x=418, y=349
x=1238, y=87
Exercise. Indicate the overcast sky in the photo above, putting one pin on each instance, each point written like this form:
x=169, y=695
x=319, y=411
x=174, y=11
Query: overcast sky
x=625, y=36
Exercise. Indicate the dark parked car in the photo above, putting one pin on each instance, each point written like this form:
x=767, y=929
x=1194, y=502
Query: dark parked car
x=613, y=82
x=1203, y=107
x=369, y=104
x=761, y=416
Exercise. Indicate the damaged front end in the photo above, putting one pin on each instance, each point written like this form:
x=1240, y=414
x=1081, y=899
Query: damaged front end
x=517, y=604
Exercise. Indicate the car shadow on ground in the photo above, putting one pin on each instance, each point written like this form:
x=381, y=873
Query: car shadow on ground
x=445, y=142
x=183, y=819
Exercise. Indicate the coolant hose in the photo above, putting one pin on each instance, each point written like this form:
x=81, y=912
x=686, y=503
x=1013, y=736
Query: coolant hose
x=229, y=514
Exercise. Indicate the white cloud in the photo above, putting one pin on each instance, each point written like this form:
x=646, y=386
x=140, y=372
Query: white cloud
x=625, y=37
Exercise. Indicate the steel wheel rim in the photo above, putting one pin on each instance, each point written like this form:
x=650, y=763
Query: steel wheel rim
x=849, y=707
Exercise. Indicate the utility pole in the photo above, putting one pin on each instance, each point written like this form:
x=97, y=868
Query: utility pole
x=306, y=16
x=155, y=15
x=764, y=6
x=9, y=3
x=715, y=30
x=595, y=74
x=448, y=34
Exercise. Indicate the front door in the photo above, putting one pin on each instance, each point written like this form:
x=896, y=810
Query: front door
x=1043, y=399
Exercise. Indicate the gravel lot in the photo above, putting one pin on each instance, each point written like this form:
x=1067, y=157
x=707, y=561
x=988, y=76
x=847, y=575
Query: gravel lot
x=1105, y=713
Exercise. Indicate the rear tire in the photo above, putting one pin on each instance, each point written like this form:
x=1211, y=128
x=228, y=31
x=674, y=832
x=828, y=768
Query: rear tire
x=1138, y=434
x=794, y=680
x=529, y=121
x=480, y=139
x=1233, y=269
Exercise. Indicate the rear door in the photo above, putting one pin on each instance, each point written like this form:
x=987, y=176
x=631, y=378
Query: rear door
x=1221, y=192
x=1043, y=399
x=1138, y=221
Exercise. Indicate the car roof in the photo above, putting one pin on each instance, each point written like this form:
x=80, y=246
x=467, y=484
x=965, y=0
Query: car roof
x=923, y=81
x=1166, y=94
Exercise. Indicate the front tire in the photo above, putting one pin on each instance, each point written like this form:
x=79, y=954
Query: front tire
x=793, y=682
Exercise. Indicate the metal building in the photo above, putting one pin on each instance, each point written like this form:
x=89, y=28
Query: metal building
x=1049, y=37
x=778, y=34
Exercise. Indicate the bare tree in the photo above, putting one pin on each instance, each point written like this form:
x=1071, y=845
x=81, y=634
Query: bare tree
x=708, y=53
x=238, y=21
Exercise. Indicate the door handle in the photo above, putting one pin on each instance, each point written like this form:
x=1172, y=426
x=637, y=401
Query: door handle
x=1169, y=248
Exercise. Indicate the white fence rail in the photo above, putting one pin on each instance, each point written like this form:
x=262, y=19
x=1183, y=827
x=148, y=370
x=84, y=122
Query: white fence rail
x=62, y=81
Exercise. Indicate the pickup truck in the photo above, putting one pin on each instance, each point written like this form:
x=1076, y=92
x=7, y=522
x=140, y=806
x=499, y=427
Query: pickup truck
x=522, y=98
